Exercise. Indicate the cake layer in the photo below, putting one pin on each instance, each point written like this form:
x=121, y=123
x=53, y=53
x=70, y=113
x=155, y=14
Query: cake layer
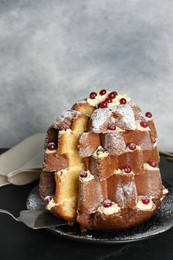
x=51, y=136
x=102, y=164
x=66, y=194
x=151, y=155
x=53, y=163
x=90, y=194
x=122, y=189
x=47, y=184
x=133, y=158
x=84, y=108
x=113, y=142
x=88, y=143
x=149, y=183
x=127, y=218
x=152, y=128
x=140, y=138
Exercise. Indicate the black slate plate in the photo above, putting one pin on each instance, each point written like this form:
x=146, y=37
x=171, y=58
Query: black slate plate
x=159, y=223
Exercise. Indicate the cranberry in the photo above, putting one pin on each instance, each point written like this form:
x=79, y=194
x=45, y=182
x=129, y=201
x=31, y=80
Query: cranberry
x=108, y=100
x=47, y=199
x=63, y=128
x=152, y=164
x=132, y=146
x=145, y=200
x=103, y=104
x=107, y=203
x=127, y=169
x=148, y=114
x=144, y=124
x=102, y=92
x=93, y=95
x=113, y=94
x=153, y=139
x=83, y=174
x=111, y=127
x=123, y=101
x=51, y=146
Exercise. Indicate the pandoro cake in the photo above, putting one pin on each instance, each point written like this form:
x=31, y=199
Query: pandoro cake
x=101, y=164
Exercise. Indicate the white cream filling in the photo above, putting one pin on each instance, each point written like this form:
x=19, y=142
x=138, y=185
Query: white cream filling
x=150, y=168
x=121, y=171
x=165, y=191
x=114, y=208
x=100, y=154
x=89, y=177
x=50, y=151
x=51, y=204
x=115, y=101
x=155, y=144
x=120, y=96
x=61, y=172
x=148, y=119
x=99, y=98
x=113, y=104
x=145, y=207
x=65, y=131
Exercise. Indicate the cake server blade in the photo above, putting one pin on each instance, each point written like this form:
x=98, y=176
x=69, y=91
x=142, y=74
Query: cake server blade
x=37, y=219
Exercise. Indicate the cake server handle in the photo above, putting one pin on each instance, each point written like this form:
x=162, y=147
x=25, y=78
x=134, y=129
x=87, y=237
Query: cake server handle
x=37, y=219
x=8, y=213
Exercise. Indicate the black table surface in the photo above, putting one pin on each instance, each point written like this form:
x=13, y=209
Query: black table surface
x=20, y=242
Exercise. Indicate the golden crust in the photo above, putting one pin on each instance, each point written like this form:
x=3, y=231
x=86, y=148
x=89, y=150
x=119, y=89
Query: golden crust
x=84, y=108
x=125, y=219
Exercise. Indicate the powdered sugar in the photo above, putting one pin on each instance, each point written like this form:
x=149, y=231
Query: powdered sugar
x=137, y=111
x=64, y=121
x=100, y=118
x=114, y=143
x=124, y=117
x=126, y=192
x=71, y=114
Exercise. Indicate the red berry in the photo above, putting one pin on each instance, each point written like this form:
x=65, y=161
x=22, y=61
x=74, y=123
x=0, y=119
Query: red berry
x=107, y=203
x=111, y=127
x=145, y=200
x=127, y=169
x=153, y=139
x=93, y=95
x=148, y=114
x=47, y=199
x=123, y=101
x=102, y=92
x=103, y=104
x=63, y=128
x=152, y=164
x=108, y=100
x=132, y=146
x=144, y=124
x=113, y=94
x=83, y=174
x=51, y=146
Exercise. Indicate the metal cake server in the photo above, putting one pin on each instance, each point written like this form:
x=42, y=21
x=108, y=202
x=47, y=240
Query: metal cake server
x=37, y=219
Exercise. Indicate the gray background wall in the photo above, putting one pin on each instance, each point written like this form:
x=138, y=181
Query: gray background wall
x=54, y=52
